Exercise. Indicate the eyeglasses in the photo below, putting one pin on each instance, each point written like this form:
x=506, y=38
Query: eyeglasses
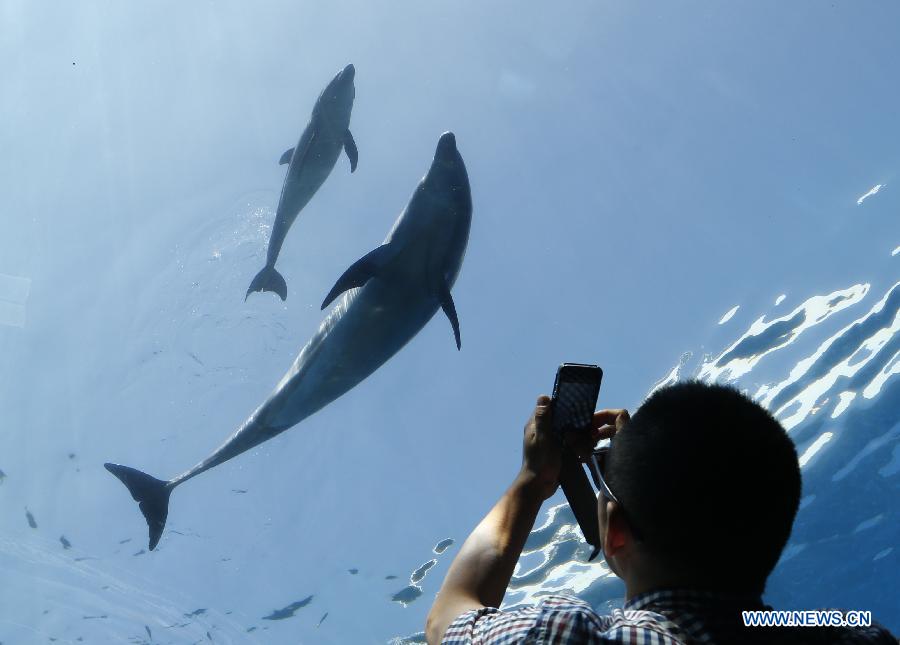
x=597, y=464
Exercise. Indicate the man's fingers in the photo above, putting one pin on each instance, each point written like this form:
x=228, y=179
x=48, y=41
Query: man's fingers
x=608, y=417
x=606, y=423
x=539, y=421
x=542, y=410
x=616, y=417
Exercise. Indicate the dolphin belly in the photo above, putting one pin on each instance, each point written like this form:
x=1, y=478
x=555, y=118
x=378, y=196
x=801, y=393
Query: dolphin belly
x=366, y=328
x=305, y=177
x=304, y=181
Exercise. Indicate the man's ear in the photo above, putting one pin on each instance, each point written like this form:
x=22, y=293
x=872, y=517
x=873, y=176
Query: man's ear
x=617, y=534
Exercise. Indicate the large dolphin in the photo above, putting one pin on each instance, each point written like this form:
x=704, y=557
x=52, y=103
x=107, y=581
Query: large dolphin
x=309, y=164
x=388, y=296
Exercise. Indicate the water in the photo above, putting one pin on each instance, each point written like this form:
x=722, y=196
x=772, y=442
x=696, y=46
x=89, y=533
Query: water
x=666, y=192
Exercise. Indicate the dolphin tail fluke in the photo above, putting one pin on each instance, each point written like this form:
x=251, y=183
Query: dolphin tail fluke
x=152, y=494
x=268, y=280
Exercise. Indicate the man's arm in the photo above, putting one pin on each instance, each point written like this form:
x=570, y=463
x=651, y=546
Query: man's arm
x=484, y=565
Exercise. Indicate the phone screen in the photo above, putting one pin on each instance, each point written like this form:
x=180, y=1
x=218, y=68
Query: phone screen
x=575, y=396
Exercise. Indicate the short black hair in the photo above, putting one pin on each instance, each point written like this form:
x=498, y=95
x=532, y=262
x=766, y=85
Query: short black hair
x=710, y=481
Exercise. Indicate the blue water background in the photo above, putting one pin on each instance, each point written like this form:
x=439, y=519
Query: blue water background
x=637, y=172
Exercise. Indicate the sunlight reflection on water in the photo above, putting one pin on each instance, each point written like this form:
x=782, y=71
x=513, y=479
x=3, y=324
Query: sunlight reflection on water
x=861, y=358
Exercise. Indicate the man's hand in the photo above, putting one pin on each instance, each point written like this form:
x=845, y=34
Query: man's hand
x=541, y=451
x=542, y=448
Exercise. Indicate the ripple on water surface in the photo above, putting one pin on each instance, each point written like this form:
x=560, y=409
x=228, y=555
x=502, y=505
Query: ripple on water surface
x=850, y=380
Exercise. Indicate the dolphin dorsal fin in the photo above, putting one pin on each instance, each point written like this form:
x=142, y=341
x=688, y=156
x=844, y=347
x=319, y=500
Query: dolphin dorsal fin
x=449, y=308
x=286, y=157
x=350, y=149
x=360, y=271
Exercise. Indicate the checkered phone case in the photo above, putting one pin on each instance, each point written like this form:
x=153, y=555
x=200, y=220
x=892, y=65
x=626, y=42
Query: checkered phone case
x=574, y=397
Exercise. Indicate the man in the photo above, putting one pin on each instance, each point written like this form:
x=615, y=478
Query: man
x=697, y=496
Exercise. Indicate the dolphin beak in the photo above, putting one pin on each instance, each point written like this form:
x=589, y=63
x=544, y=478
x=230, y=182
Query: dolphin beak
x=349, y=72
x=446, y=146
x=448, y=139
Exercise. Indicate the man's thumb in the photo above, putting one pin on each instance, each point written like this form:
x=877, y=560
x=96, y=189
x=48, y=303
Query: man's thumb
x=542, y=410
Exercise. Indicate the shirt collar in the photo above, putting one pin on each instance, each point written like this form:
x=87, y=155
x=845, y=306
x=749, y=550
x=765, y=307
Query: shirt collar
x=692, y=598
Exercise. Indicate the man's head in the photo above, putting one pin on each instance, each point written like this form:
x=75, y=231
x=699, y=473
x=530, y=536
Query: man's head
x=709, y=485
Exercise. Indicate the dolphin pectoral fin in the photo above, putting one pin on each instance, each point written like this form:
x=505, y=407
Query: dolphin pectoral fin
x=268, y=279
x=350, y=149
x=286, y=157
x=359, y=272
x=151, y=493
x=450, y=309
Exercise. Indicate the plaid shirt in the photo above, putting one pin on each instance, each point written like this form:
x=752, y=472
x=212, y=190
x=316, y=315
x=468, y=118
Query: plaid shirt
x=672, y=617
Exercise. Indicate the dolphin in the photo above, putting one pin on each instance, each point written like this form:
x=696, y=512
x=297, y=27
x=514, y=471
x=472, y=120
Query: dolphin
x=386, y=298
x=309, y=164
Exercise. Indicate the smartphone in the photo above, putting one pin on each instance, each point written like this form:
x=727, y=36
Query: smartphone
x=575, y=396
x=574, y=401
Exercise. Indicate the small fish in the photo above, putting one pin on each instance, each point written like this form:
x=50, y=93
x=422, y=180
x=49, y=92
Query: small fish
x=419, y=574
x=196, y=612
x=287, y=612
x=407, y=595
x=66, y=544
x=353, y=572
x=321, y=620
x=30, y=519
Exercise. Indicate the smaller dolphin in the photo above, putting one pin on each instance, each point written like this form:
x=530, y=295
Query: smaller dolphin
x=309, y=164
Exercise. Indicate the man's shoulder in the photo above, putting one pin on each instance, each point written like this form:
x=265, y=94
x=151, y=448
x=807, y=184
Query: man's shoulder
x=559, y=618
